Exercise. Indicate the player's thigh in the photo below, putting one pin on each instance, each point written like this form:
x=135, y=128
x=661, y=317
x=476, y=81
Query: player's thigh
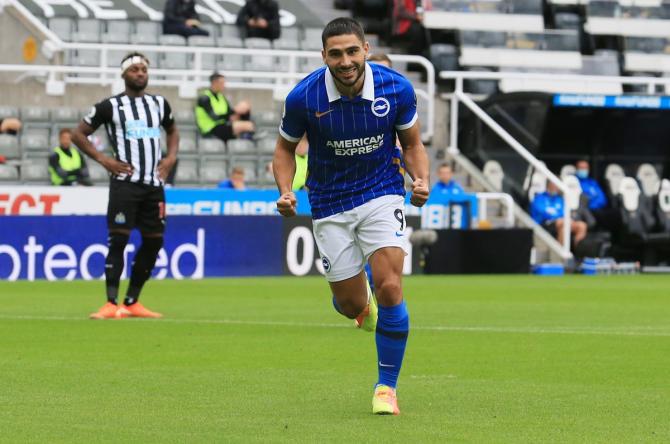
x=341, y=255
x=382, y=224
x=123, y=205
x=151, y=215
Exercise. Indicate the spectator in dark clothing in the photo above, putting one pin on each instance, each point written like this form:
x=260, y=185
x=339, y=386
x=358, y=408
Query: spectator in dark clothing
x=259, y=18
x=179, y=17
x=66, y=165
x=408, y=29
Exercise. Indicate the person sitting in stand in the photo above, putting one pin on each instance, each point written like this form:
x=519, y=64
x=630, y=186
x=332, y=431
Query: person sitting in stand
x=446, y=184
x=179, y=17
x=216, y=117
x=259, y=18
x=547, y=210
x=236, y=180
x=590, y=187
x=66, y=165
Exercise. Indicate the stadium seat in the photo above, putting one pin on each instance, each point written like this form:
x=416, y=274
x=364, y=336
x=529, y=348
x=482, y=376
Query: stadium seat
x=231, y=62
x=115, y=56
x=9, y=146
x=65, y=114
x=567, y=170
x=85, y=57
x=8, y=173
x=8, y=111
x=312, y=40
x=289, y=39
x=572, y=197
x=35, y=139
x=213, y=170
x=207, y=61
x=525, y=7
x=267, y=119
x=601, y=63
x=187, y=142
x=212, y=146
x=649, y=180
x=62, y=27
x=230, y=37
x=187, y=172
x=146, y=33
x=185, y=118
x=87, y=31
x=444, y=57
x=535, y=183
x=567, y=20
x=35, y=170
x=97, y=172
x=493, y=173
x=267, y=145
x=613, y=175
x=241, y=146
x=116, y=31
x=35, y=114
x=257, y=43
x=662, y=206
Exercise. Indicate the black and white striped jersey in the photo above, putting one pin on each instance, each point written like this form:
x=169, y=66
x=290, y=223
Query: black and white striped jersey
x=133, y=126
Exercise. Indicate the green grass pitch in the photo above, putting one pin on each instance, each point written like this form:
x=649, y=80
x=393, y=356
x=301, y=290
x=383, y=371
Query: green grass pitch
x=490, y=359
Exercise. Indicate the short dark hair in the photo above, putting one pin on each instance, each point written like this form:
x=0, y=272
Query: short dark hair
x=445, y=165
x=380, y=57
x=215, y=75
x=341, y=26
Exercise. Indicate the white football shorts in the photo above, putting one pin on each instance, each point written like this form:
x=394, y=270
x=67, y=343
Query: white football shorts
x=346, y=240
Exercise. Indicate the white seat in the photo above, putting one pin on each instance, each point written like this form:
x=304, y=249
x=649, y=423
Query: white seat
x=630, y=193
x=9, y=146
x=574, y=192
x=213, y=170
x=648, y=177
x=494, y=174
x=212, y=146
x=613, y=175
x=567, y=170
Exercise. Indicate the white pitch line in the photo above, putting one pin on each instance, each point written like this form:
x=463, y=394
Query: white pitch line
x=642, y=331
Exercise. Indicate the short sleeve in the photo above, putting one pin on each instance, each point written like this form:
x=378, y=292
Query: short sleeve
x=293, y=122
x=406, y=115
x=99, y=114
x=168, y=119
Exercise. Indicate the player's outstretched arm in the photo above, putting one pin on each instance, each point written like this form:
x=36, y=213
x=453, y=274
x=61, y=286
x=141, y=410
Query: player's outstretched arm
x=80, y=138
x=416, y=162
x=283, y=168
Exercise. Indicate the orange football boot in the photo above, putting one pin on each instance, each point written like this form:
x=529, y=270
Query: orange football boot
x=107, y=311
x=136, y=310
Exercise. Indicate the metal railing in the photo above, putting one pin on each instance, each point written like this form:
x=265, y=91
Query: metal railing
x=504, y=199
x=189, y=80
x=459, y=96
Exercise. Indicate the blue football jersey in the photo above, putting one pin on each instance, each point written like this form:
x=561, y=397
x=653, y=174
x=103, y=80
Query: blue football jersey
x=352, y=153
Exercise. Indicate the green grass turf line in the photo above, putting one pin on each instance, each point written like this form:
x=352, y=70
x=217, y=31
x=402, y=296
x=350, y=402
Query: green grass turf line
x=508, y=359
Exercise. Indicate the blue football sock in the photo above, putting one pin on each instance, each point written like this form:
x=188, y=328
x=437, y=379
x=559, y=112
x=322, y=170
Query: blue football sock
x=336, y=306
x=391, y=338
x=368, y=274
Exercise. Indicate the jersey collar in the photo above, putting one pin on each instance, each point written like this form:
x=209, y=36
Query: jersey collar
x=368, y=91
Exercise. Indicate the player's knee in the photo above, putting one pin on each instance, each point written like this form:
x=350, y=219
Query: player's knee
x=152, y=245
x=389, y=291
x=117, y=241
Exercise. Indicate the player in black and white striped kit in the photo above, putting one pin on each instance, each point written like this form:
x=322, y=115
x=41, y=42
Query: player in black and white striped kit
x=136, y=196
